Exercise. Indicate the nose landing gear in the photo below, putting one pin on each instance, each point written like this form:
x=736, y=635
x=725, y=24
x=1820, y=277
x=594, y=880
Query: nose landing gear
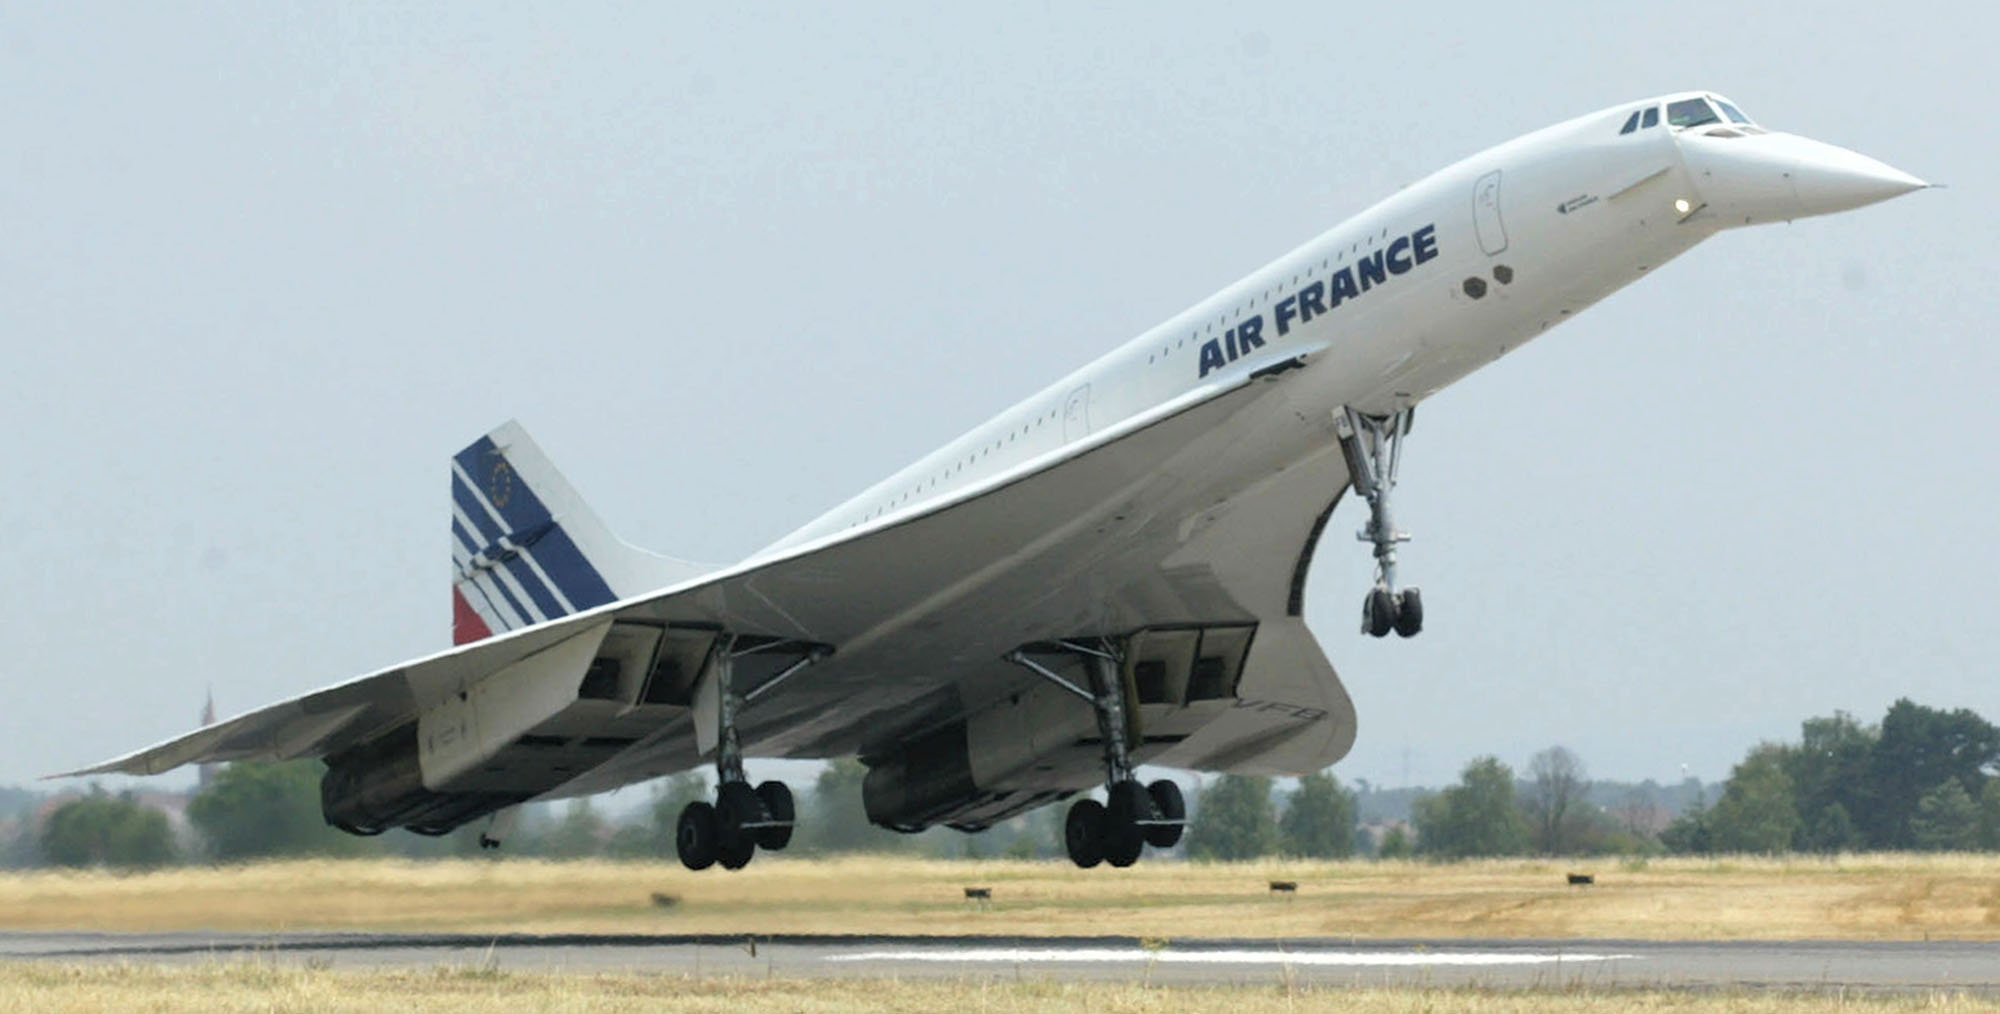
x=1373, y=447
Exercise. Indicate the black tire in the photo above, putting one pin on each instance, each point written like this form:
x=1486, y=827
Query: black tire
x=736, y=804
x=1378, y=612
x=695, y=837
x=1171, y=806
x=736, y=853
x=1083, y=833
x=778, y=808
x=1409, y=613
x=1124, y=839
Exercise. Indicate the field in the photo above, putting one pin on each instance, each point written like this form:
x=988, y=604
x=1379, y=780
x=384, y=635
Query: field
x=1852, y=898
x=270, y=988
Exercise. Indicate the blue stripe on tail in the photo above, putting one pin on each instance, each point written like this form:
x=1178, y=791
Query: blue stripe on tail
x=527, y=519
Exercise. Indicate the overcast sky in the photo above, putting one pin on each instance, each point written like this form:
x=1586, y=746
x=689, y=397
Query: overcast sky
x=263, y=268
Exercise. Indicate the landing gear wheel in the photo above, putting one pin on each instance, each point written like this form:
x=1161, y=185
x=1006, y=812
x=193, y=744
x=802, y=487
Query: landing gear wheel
x=1378, y=612
x=736, y=853
x=1124, y=836
x=1170, y=806
x=1409, y=613
x=695, y=836
x=1083, y=833
x=737, y=805
x=778, y=809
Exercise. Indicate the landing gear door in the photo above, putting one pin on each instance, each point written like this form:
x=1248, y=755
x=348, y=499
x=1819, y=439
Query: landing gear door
x=1486, y=214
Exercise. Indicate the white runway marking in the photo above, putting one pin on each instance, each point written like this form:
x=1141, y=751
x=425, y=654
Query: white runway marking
x=1136, y=955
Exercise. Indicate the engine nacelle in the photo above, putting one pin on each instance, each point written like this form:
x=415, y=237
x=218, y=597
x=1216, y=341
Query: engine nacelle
x=380, y=785
x=925, y=782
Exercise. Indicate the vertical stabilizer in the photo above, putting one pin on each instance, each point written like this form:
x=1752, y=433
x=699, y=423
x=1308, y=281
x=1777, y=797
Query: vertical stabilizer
x=525, y=548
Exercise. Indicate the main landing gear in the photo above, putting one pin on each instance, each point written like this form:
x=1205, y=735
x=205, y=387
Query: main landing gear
x=742, y=819
x=1133, y=815
x=1373, y=447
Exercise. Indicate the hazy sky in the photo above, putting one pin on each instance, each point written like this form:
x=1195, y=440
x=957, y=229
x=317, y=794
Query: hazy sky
x=263, y=268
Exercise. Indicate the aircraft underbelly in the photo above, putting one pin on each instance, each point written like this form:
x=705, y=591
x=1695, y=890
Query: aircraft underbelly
x=1203, y=525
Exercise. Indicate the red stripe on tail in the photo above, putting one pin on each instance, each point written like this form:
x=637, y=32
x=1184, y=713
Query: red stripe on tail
x=466, y=626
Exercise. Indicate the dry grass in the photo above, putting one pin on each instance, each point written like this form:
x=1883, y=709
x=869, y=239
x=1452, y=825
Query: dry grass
x=56, y=988
x=1857, y=897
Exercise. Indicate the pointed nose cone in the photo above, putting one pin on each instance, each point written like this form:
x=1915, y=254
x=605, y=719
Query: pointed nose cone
x=1827, y=179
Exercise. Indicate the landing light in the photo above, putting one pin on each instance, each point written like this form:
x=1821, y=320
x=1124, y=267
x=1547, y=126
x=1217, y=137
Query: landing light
x=1681, y=205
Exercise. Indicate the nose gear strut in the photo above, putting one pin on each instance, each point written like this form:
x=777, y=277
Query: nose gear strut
x=1373, y=447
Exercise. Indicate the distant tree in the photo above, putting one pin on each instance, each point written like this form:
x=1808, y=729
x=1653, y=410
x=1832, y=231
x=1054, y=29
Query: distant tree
x=1919, y=748
x=1395, y=844
x=1319, y=819
x=1757, y=812
x=1556, y=787
x=1832, y=831
x=255, y=811
x=1689, y=834
x=1637, y=810
x=1989, y=815
x=1036, y=834
x=1476, y=817
x=581, y=833
x=1234, y=819
x=832, y=819
x=106, y=830
x=1947, y=820
x=19, y=847
x=1829, y=769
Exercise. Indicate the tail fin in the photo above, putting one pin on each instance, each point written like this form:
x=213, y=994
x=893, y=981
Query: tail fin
x=526, y=548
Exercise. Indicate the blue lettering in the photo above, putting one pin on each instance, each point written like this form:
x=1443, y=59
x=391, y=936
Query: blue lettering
x=1249, y=334
x=1312, y=300
x=1317, y=298
x=1211, y=356
x=1342, y=284
x=1424, y=243
x=1370, y=269
x=1399, y=263
x=1286, y=309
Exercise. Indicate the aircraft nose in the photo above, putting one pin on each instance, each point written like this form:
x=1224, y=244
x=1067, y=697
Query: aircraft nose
x=1755, y=178
x=1828, y=178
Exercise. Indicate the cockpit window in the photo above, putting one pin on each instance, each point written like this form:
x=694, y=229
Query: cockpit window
x=1691, y=113
x=1631, y=123
x=1652, y=118
x=1735, y=115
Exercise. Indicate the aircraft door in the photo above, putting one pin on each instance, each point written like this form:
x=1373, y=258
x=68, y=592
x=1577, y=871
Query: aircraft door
x=1076, y=414
x=1486, y=214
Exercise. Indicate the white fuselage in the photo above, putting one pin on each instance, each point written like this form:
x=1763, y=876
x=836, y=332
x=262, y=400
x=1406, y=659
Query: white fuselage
x=1517, y=238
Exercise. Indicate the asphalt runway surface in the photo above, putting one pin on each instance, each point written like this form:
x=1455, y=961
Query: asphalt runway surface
x=1795, y=965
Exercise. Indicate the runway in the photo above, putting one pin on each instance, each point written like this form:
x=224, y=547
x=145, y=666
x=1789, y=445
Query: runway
x=1797, y=965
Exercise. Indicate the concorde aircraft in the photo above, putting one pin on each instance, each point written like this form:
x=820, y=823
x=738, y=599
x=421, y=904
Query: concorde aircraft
x=1110, y=573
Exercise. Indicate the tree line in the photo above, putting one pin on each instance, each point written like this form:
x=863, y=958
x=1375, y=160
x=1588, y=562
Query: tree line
x=1920, y=779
